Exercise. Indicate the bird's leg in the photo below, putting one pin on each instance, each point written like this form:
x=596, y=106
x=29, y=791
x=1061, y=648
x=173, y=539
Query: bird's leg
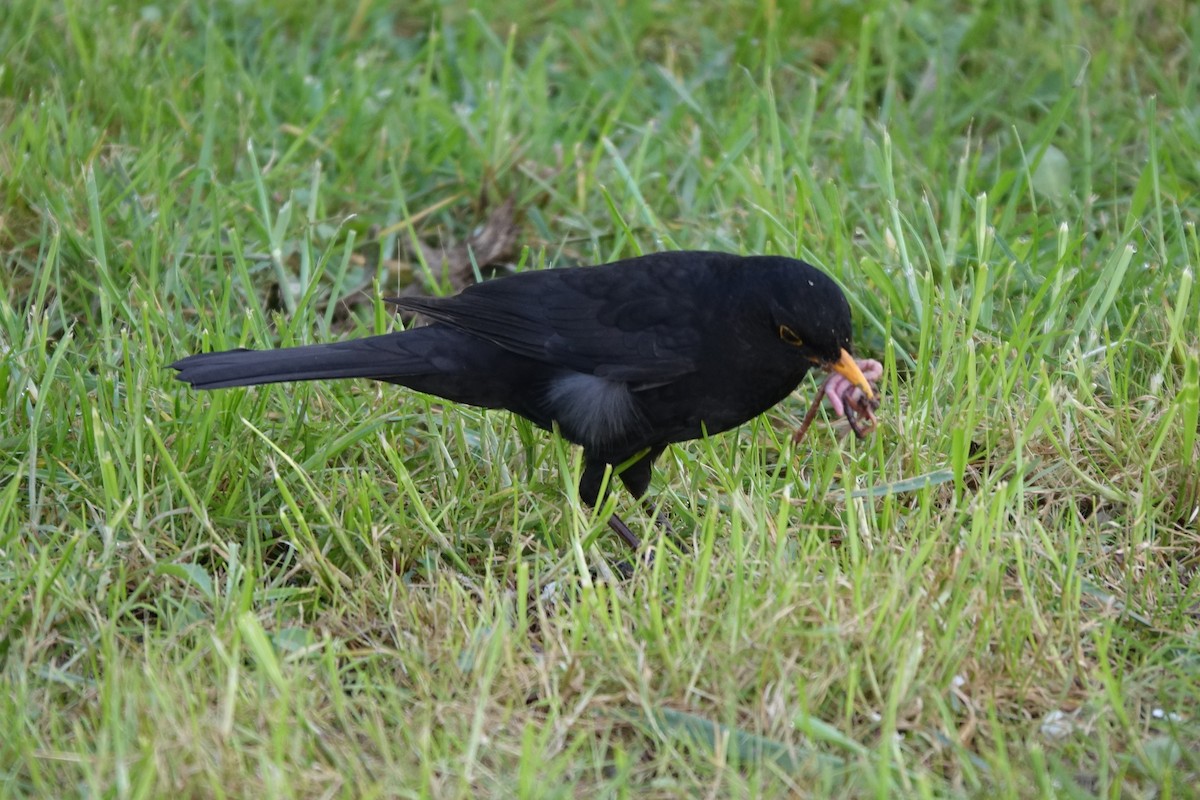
x=623, y=567
x=621, y=529
x=636, y=478
x=660, y=518
x=589, y=492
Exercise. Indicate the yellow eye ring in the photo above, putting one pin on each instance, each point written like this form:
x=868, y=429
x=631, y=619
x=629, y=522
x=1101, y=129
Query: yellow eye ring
x=789, y=336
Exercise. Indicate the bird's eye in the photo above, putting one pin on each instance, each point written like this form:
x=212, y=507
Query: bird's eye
x=789, y=336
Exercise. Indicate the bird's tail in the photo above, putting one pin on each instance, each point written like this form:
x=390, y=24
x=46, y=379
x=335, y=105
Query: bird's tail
x=380, y=357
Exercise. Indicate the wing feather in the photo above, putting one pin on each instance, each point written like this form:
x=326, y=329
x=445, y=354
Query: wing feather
x=629, y=321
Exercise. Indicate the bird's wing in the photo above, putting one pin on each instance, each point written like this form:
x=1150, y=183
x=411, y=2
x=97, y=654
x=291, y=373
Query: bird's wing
x=630, y=323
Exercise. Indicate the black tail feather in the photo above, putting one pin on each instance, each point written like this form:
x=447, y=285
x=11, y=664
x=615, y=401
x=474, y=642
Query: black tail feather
x=374, y=357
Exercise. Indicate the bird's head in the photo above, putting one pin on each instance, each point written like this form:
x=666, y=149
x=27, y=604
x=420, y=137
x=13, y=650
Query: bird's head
x=810, y=314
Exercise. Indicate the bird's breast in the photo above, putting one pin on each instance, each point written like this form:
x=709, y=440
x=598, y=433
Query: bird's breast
x=714, y=402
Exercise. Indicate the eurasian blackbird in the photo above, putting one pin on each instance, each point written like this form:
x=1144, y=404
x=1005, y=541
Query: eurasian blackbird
x=625, y=358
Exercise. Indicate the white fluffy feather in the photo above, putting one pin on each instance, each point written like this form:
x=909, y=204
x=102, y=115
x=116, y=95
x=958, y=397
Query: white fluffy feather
x=591, y=408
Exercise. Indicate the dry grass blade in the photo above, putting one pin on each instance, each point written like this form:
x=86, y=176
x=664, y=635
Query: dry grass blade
x=493, y=242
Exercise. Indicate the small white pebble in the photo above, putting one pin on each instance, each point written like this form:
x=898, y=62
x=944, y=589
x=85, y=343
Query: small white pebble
x=1057, y=725
x=1170, y=716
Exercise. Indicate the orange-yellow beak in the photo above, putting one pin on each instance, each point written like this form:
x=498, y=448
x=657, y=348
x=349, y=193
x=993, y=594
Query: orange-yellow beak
x=848, y=368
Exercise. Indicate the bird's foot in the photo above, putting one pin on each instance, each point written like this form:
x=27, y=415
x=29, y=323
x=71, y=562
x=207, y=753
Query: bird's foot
x=660, y=518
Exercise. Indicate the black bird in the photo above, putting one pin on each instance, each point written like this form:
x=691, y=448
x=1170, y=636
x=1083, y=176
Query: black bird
x=625, y=358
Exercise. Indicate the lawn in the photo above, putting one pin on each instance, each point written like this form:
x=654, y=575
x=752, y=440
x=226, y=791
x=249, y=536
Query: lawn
x=351, y=590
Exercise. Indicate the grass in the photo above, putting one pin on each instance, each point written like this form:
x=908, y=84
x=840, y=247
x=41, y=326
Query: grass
x=349, y=590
